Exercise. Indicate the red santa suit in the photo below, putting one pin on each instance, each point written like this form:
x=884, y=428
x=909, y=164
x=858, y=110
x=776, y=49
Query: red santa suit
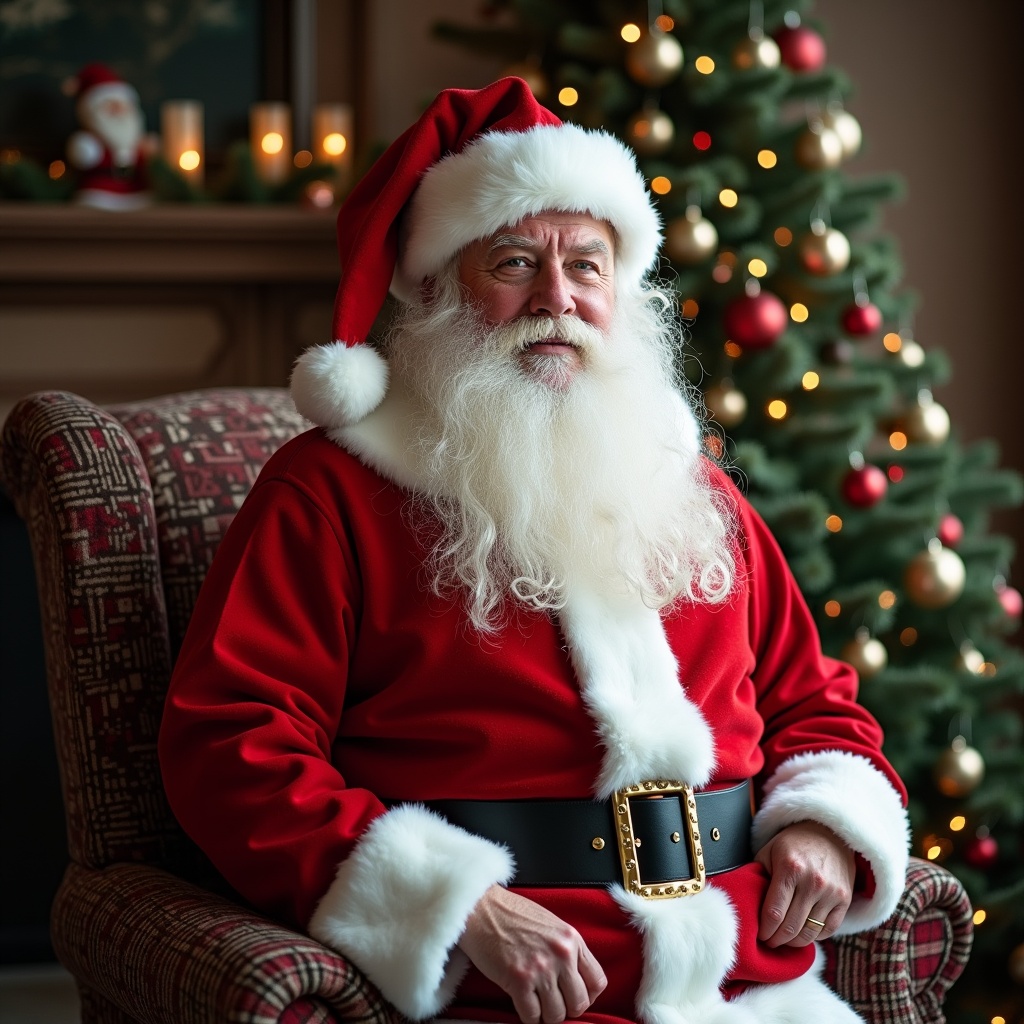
x=324, y=692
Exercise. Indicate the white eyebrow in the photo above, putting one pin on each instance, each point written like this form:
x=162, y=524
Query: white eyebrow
x=595, y=245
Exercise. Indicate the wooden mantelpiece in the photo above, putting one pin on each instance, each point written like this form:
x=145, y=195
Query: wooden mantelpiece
x=128, y=305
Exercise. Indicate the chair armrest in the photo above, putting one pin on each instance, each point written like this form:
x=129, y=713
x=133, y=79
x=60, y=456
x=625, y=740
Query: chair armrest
x=162, y=949
x=900, y=972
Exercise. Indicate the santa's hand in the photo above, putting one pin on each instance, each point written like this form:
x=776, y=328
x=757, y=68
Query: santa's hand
x=85, y=151
x=812, y=875
x=534, y=956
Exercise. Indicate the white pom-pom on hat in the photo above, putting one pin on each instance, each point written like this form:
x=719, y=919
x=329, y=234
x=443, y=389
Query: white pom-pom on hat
x=337, y=385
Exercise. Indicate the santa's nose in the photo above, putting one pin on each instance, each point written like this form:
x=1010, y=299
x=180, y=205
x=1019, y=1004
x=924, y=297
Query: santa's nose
x=551, y=295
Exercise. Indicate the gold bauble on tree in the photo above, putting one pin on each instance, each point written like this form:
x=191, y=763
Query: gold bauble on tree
x=934, y=578
x=530, y=72
x=654, y=59
x=927, y=422
x=959, y=770
x=691, y=238
x=824, y=251
x=969, y=659
x=650, y=132
x=846, y=126
x=725, y=404
x=818, y=148
x=756, y=51
x=866, y=654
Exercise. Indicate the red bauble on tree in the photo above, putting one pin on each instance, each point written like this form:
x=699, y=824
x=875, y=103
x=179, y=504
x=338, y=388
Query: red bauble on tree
x=861, y=320
x=864, y=486
x=802, y=49
x=1011, y=600
x=755, y=321
x=982, y=851
x=950, y=531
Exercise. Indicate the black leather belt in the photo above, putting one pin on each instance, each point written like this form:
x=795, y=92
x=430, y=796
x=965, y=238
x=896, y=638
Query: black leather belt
x=658, y=838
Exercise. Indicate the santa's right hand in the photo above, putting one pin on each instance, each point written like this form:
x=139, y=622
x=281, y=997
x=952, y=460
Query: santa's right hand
x=85, y=151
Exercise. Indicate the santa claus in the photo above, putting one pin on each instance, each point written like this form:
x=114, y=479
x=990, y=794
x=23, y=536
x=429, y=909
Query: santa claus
x=111, y=148
x=497, y=685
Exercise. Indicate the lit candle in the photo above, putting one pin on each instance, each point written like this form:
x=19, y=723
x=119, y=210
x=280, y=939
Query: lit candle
x=270, y=138
x=332, y=136
x=181, y=130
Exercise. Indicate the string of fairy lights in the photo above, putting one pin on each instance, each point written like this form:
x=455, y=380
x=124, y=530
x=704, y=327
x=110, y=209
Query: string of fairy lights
x=935, y=577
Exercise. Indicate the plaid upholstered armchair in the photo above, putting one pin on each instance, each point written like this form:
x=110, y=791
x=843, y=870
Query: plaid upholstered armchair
x=125, y=508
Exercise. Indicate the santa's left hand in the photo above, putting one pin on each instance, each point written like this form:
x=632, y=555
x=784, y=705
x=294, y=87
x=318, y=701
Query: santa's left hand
x=812, y=875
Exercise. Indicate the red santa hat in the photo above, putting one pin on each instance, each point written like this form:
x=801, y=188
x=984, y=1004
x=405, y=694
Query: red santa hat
x=476, y=161
x=96, y=80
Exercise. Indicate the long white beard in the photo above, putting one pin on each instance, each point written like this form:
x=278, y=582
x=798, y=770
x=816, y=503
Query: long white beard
x=542, y=479
x=121, y=132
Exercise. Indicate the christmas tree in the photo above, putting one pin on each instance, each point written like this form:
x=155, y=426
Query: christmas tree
x=801, y=345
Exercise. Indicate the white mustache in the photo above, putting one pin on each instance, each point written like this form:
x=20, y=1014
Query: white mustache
x=520, y=334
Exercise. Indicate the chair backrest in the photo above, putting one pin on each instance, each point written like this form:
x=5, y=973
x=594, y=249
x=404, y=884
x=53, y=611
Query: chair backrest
x=125, y=508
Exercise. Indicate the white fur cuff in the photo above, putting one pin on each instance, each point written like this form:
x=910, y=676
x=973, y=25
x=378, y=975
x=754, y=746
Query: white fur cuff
x=400, y=902
x=852, y=797
x=336, y=385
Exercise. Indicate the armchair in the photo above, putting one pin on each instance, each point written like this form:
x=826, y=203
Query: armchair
x=125, y=508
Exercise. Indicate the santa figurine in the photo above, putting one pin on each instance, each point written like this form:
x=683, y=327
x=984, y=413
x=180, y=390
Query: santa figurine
x=111, y=148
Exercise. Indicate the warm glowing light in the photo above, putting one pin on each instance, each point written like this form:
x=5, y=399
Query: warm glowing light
x=833, y=609
x=568, y=96
x=630, y=32
x=833, y=524
x=783, y=236
x=661, y=185
x=702, y=141
x=933, y=852
x=56, y=169
x=979, y=916
x=722, y=273
x=957, y=824
x=714, y=445
x=908, y=637
x=767, y=158
x=728, y=197
x=728, y=258
x=9, y=156
x=798, y=312
x=997, y=1019
x=732, y=350
x=897, y=440
x=704, y=64
x=665, y=23
x=335, y=144
x=988, y=669
x=189, y=160
x=758, y=268
x=777, y=409
x=892, y=342
x=689, y=309
x=810, y=380
x=886, y=599
x=272, y=142
x=303, y=158
x=895, y=474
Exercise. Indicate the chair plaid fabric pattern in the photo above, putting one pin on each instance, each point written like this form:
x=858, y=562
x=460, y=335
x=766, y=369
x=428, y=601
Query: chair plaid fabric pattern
x=125, y=508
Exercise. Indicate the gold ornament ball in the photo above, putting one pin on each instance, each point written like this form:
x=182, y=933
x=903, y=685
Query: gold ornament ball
x=866, y=654
x=725, y=404
x=754, y=52
x=959, y=770
x=650, y=132
x=1015, y=965
x=654, y=59
x=934, y=578
x=818, y=149
x=532, y=75
x=846, y=126
x=927, y=423
x=690, y=239
x=825, y=252
x=970, y=659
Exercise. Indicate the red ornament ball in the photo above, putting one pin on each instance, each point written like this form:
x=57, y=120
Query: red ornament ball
x=951, y=530
x=755, y=321
x=865, y=486
x=862, y=320
x=802, y=49
x=1012, y=602
x=981, y=852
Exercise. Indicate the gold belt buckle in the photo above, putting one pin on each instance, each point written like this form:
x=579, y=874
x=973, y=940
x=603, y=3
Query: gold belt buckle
x=627, y=841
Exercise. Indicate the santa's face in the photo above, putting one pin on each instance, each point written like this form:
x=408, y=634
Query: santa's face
x=112, y=112
x=548, y=266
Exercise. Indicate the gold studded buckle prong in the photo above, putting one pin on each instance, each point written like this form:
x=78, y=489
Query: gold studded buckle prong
x=627, y=841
